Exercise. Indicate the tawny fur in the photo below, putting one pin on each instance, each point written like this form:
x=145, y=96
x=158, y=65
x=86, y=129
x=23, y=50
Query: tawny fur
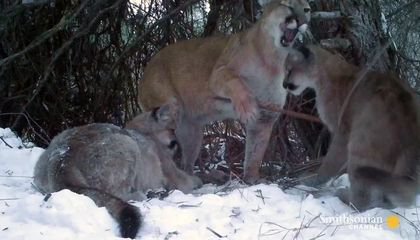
x=112, y=165
x=378, y=137
x=217, y=78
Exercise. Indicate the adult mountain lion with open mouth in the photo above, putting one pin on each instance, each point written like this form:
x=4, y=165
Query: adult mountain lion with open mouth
x=217, y=78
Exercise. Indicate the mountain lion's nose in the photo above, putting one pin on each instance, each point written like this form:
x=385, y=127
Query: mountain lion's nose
x=289, y=86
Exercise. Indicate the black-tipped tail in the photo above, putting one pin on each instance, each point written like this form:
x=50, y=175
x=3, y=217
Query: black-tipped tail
x=129, y=220
x=127, y=216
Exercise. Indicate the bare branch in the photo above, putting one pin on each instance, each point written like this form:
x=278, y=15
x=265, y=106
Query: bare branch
x=326, y=15
x=2, y=139
x=140, y=38
x=59, y=52
x=46, y=35
x=302, y=116
x=336, y=43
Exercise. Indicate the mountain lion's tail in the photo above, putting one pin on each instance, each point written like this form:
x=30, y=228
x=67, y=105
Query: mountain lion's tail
x=127, y=215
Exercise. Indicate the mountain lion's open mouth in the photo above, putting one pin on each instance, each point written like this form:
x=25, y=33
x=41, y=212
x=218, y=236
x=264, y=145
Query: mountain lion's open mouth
x=290, y=30
x=288, y=36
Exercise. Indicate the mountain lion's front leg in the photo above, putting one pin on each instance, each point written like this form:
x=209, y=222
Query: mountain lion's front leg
x=333, y=163
x=257, y=138
x=190, y=136
x=226, y=83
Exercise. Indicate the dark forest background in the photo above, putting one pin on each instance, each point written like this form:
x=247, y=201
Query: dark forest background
x=65, y=63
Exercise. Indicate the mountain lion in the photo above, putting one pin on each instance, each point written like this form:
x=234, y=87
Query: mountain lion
x=375, y=137
x=217, y=78
x=112, y=165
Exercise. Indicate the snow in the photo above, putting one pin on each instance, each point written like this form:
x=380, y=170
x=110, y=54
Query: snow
x=231, y=212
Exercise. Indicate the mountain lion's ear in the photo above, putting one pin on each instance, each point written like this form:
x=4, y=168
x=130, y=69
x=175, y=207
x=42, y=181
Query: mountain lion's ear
x=168, y=112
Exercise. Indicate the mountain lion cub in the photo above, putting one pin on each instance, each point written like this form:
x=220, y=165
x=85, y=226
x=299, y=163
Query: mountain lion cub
x=113, y=165
x=217, y=78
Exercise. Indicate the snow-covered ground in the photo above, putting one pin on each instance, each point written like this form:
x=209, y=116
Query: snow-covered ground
x=257, y=212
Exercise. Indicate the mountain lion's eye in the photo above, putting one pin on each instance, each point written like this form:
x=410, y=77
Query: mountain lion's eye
x=173, y=144
x=154, y=114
